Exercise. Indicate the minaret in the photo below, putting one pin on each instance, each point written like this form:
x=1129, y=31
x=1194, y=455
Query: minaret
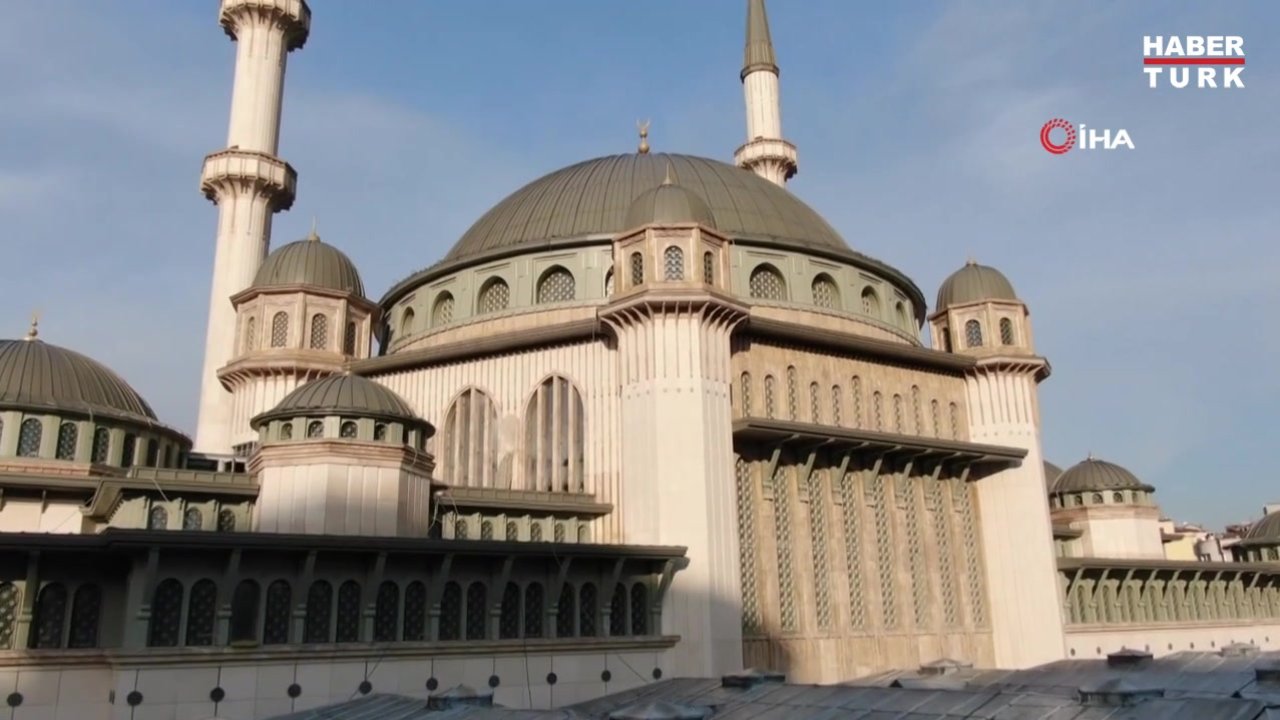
x=765, y=153
x=248, y=183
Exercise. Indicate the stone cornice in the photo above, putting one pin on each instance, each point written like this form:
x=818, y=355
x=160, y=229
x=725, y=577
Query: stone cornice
x=307, y=364
x=351, y=297
x=860, y=345
x=773, y=433
x=1034, y=365
x=525, y=501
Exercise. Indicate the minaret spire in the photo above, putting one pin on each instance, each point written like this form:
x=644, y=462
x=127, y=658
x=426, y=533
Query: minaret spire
x=766, y=153
x=249, y=183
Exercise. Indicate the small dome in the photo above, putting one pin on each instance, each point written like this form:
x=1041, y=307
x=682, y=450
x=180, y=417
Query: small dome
x=1266, y=531
x=40, y=377
x=1093, y=474
x=974, y=283
x=669, y=203
x=1051, y=474
x=342, y=394
x=309, y=262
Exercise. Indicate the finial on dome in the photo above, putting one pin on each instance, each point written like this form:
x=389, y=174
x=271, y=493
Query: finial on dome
x=667, y=180
x=1090, y=457
x=34, y=331
x=643, y=127
x=970, y=261
x=313, y=236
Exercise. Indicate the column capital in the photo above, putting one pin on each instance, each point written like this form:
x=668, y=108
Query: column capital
x=263, y=174
x=291, y=17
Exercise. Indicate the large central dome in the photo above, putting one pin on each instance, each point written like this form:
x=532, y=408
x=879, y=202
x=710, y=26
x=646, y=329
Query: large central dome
x=591, y=199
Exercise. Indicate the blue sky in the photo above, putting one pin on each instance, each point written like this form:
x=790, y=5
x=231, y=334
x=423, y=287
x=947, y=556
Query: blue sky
x=1151, y=274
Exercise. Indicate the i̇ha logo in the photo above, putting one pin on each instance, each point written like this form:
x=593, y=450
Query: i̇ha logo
x=1218, y=60
x=1058, y=136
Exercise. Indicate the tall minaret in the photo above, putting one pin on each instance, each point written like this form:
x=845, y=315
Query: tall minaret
x=248, y=183
x=765, y=153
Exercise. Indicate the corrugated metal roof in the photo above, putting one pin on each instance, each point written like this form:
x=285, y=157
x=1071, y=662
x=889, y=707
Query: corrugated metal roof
x=342, y=394
x=973, y=283
x=1191, y=686
x=309, y=262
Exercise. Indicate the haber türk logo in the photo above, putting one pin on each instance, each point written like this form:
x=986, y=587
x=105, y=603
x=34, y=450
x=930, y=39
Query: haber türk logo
x=1058, y=136
x=1218, y=60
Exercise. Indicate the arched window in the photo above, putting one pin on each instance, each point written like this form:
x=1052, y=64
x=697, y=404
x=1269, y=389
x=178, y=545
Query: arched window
x=468, y=450
x=608, y=283
x=1006, y=331
x=279, y=329
x=973, y=333
x=319, y=331
x=348, y=430
x=837, y=397
x=877, y=407
x=348, y=612
x=509, y=613
x=565, y=612
x=946, y=340
x=315, y=429
x=901, y=311
x=29, y=435
x=451, y=612
x=637, y=269
x=554, y=447
x=557, y=533
x=672, y=263
x=380, y=432
x=460, y=529
x=286, y=431
x=226, y=520
x=415, y=611
x=584, y=534
x=513, y=530
x=556, y=285
x=1097, y=498
x=1117, y=497
x=793, y=412
x=639, y=609
x=315, y=627
x=766, y=283
x=86, y=609
x=406, y=322
x=899, y=425
x=166, y=614
x=744, y=395
x=8, y=613
x=708, y=268
x=126, y=452
x=250, y=334
x=955, y=421
x=101, y=444
x=486, y=530
x=275, y=623
x=192, y=519
x=618, y=611
x=244, y=612
x=157, y=518
x=917, y=412
x=870, y=302
x=815, y=403
x=153, y=452
x=477, y=611
x=68, y=433
x=535, y=532
x=587, y=610
x=202, y=608
x=349, y=339
x=386, y=613
x=442, y=310
x=770, y=397
x=533, y=610
x=825, y=292
x=937, y=421
x=855, y=390
x=494, y=296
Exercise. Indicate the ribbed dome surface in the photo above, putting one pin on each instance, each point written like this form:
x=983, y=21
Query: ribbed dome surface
x=309, y=262
x=668, y=204
x=1051, y=474
x=1093, y=474
x=1266, y=530
x=973, y=283
x=341, y=395
x=592, y=198
x=38, y=376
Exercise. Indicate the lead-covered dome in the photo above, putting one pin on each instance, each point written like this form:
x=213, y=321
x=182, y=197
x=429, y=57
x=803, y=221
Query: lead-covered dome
x=591, y=200
x=1092, y=475
x=974, y=283
x=309, y=262
x=669, y=203
x=38, y=377
x=1265, y=532
x=342, y=394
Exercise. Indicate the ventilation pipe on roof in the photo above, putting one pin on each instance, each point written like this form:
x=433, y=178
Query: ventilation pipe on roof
x=460, y=696
x=750, y=678
x=944, y=666
x=1128, y=657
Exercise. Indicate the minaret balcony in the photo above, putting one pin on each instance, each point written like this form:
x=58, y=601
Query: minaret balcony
x=292, y=16
x=763, y=150
x=257, y=171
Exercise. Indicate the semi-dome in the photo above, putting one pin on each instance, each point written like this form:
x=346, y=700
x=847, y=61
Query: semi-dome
x=309, y=262
x=974, y=283
x=342, y=394
x=669, y=203
x=40, y=377
x=1093, y=475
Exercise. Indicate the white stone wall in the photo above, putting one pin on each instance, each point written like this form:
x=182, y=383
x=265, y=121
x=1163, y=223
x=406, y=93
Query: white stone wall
x=1164, y=639
x=34, y=515
x=1122, y=537
x=335, y=497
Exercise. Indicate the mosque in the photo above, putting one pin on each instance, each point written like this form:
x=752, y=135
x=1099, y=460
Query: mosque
x=650, y=416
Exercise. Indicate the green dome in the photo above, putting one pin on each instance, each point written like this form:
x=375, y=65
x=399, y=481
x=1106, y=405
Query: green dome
x=342, y=394
x=974, y=283
x=309, y=262
x=1095, y=475
x=39, y=377
x=669, y=204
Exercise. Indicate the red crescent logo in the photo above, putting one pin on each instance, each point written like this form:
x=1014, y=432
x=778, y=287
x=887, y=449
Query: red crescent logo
x=1050, y=145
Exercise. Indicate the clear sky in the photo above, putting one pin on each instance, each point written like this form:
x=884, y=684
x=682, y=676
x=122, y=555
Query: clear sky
x=1151, y=274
